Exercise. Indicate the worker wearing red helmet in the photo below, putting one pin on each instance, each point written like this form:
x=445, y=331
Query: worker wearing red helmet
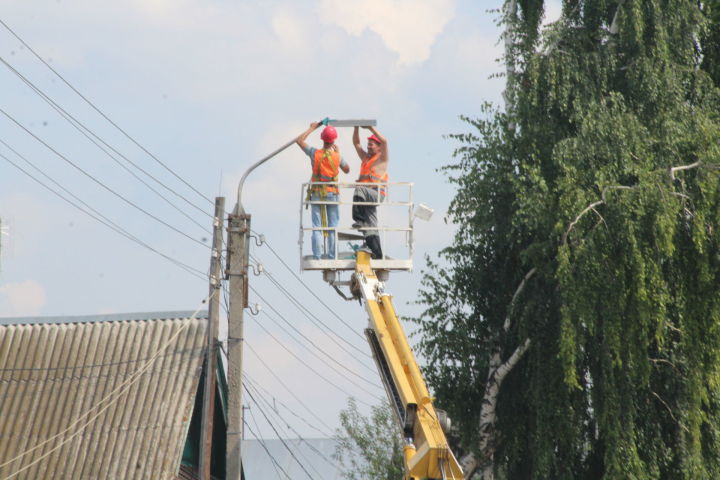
x=326, y=163
x=373, y=187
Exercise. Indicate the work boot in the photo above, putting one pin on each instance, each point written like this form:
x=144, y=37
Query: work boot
x=373, y=242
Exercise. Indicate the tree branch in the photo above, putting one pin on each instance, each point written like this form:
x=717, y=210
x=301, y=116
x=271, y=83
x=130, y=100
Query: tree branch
x=592, y=207
x=670, y=411
x=577, y=219
x=672, y=170
x=520, y=288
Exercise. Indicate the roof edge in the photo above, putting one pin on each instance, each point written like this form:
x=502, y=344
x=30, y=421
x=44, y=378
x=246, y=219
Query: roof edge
x=109, y=317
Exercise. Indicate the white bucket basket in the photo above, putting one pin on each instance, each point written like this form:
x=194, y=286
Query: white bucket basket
x=395, y=213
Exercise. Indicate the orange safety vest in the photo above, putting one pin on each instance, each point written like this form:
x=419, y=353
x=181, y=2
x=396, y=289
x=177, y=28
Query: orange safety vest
x=326, y=165
x=368, y=174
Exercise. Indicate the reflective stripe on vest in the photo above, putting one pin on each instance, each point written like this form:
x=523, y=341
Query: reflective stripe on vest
x=368, y=174
x=326, y=165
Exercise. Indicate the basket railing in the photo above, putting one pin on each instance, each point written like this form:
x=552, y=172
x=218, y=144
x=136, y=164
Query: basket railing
x=394, y=214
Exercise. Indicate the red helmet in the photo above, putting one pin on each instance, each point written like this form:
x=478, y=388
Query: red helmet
x=329, y=134
x=373, y=138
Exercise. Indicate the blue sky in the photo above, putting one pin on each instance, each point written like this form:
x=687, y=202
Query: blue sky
x=209, y=87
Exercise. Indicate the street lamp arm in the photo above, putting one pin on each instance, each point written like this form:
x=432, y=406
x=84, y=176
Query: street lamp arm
x=239, y=206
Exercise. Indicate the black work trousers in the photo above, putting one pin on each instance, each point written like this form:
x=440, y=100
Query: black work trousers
x=365, y=216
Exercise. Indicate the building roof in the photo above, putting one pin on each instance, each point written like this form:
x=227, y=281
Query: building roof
x=100, y=396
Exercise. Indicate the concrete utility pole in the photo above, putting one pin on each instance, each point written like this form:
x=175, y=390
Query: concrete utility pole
x=237, y=258
x=208, y=410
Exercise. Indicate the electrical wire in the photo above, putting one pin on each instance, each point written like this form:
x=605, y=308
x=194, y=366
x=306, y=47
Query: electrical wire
x=314, y=319
x=92, y=105
x=326, y=354
x=300, y=453
x=94, y=138
x=111, y=398
x=274, y=462
x=282, y=383
x=311, y=291
x=278, y=435
x=100, y=217
x=77, y=167
x=312, y=447
x=311, y=368
x=290, y=410
x=373, y=384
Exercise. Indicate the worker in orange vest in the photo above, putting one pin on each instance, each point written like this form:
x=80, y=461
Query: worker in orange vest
x=373, y=189
x=326, y=163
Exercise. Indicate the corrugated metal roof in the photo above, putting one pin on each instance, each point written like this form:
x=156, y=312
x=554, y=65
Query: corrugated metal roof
x=97, y=397
x=108, y=317
x=269, y=459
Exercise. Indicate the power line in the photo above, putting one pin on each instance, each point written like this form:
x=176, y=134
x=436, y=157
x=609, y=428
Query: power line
x=310, y=290
x=276, y=433
x=87, y=133
x=299, y=450
x=313, y=318
x=274, y=462
x=311, y=368
x=290, y=410
x=92, y=105
x=134, y=205
x=98, y=216
x=330, y=357
x=282, y=383
x=310, y=445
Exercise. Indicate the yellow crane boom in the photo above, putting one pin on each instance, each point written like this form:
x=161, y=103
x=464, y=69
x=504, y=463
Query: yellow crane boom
x=426, y=452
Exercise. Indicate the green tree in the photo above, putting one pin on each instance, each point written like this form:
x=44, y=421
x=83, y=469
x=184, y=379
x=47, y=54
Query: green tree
x=573, y=331
x=369, y=448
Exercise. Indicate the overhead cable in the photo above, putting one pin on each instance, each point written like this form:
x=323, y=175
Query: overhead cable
x=299, y=451
x=99, y=216
x=288, y=409
x=327, y=355
x=310, y=290
x=287, y=424
x=92, y=105
x=287, y=389
x=273, y=461
x=331, y=383
x=77, y=167
x=278, y=435
x=313, y=318
x=94, y=138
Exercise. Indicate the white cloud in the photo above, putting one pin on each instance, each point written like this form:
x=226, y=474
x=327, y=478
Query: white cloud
x=407, y=27
x=22, y=298
x=289, y=29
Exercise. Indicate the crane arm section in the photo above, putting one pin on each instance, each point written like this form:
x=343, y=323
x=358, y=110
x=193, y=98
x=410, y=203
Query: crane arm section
x=426, y=452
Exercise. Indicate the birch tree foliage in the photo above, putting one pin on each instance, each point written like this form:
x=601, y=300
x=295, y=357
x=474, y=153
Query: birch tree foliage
x=603, y=174
x=369, y=447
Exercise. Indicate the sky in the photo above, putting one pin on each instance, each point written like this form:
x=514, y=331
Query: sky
x=208, y=87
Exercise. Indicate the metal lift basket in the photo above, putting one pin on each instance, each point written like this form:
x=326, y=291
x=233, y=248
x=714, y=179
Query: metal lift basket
x=395, y=227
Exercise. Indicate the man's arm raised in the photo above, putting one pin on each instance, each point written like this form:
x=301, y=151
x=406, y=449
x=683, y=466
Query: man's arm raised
x=303, y=136
x=356, y=143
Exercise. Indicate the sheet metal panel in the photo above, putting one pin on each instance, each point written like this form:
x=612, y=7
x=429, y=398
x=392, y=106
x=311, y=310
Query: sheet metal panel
x=109, y=399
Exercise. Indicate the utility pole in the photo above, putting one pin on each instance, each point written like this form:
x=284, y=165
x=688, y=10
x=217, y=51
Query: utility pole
x=237, y=257
x=208, y=407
